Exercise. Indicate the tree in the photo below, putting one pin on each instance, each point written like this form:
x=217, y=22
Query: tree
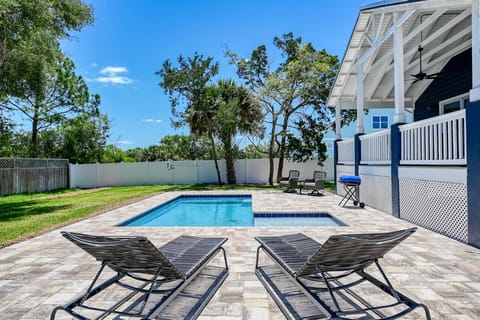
x=290, y=93
x=50, y=94
x=186, y=87
x=22, y=21
x=84, y=138
x=236, y=111
x=113, y=154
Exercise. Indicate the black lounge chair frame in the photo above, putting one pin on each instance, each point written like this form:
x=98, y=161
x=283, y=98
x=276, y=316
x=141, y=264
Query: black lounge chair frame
x=181, y=259
x=344, y=255
x=291, y=181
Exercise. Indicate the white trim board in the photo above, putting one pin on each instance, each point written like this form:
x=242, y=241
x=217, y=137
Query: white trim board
x=444, y=174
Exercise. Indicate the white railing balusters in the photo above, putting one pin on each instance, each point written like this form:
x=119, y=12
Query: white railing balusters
x=376, y=148
x=438, y=140
x=346, y=151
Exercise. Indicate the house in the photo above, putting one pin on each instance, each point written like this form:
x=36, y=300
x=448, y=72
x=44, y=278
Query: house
x=422, y=56
x=375, y=120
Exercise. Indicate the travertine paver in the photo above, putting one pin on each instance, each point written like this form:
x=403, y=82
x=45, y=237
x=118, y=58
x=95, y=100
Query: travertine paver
x=40, y=273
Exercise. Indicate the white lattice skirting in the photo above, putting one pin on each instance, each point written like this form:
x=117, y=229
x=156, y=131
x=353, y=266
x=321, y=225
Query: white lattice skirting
x=435, y=205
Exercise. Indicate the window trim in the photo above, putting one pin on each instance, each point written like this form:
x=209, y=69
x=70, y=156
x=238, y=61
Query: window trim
x=380, y=121
x=460, y=98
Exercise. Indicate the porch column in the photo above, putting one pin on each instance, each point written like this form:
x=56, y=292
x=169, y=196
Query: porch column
x=398, y=72
x=338, y=123
x=473, y=132
x=338, y=137
x=360, y=111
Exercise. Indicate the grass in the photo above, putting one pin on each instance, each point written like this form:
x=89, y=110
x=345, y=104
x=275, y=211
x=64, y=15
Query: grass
x=23, y=216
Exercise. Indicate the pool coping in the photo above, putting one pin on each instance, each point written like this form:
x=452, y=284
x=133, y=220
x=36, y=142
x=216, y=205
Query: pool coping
x=256, y=214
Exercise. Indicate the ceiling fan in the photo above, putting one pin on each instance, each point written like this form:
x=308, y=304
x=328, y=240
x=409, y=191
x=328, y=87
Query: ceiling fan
x=422, y=75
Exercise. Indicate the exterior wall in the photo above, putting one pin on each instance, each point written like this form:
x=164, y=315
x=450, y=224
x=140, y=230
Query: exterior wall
x=456, y=80
x=343, y=170
x=435, y=198
x=376, y=187
x=348, y=132
x=251, y=171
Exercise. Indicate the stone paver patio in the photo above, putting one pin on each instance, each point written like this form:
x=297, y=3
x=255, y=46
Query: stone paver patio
x=38, y=274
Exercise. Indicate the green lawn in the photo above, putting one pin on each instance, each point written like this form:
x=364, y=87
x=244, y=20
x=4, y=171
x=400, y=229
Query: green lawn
x=23, y=216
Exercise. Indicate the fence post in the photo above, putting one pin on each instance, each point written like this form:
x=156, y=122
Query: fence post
x=395, y=152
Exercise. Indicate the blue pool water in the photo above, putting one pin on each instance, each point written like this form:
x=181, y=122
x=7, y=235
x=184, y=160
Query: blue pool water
x=223, y=211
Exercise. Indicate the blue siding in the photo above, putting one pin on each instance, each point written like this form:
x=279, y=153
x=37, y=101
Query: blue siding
x=456, y=80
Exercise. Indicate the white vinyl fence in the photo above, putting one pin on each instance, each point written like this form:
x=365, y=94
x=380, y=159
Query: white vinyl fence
x=248, y=171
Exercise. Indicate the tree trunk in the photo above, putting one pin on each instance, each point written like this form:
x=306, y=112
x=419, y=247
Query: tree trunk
x=214, y=151
x=230, y=161
x=281, y=150
x=271, y=151
x=33, y=151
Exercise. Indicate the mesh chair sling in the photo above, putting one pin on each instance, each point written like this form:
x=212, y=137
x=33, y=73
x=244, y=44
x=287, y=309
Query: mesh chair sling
x=302, y=258
x=317, y=183
x=291, y=181
x=165, y=270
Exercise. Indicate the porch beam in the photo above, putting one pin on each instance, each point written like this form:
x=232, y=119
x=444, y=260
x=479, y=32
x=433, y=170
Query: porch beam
x=399, y=76
x=397, y=23
x=428, y=39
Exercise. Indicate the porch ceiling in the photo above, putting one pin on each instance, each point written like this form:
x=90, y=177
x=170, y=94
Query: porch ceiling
x=442, y=27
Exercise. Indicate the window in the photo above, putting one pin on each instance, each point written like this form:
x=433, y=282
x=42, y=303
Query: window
x=454, y=104
x=379, y=122
x=329, y=145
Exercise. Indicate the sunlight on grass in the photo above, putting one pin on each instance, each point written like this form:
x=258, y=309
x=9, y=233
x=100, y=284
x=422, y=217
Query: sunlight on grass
x=22, y=216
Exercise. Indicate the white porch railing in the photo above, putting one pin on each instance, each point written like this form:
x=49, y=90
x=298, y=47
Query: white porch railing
x=439, y=140
x=376, y=148
x=346, y=151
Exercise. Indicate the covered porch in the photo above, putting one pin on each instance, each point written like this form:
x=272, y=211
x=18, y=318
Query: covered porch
x=421, y=57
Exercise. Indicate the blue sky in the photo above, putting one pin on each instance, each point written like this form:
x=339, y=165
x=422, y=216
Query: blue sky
x=130, y=39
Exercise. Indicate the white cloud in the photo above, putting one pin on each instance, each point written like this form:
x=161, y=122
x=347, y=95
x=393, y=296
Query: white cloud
x=150, y=120
x=125, y=142
x=114, y=79
x=111, y=76
x=111, y=71
x=93, y=64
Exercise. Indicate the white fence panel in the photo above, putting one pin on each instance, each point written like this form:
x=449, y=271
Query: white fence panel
x=440, y=140
x=248, y=171
x=376, y=148
x=346, y=151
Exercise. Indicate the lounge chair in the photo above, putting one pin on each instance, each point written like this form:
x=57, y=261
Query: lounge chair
x=152, y=276
x=291, y=181
x=318, y=269
x=317, y=183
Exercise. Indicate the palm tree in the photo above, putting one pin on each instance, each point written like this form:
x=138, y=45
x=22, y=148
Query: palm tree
x=237, y=112
x=201, y=120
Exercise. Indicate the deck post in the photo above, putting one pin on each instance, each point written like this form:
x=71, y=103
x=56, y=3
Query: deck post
x=335, y=162
x=394, y=165
x=473, y=132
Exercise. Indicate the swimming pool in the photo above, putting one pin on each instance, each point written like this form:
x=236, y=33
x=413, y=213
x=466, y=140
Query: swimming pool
x=222, y=211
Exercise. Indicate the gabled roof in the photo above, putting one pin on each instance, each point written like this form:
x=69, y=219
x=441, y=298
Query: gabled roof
x=442, y=27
